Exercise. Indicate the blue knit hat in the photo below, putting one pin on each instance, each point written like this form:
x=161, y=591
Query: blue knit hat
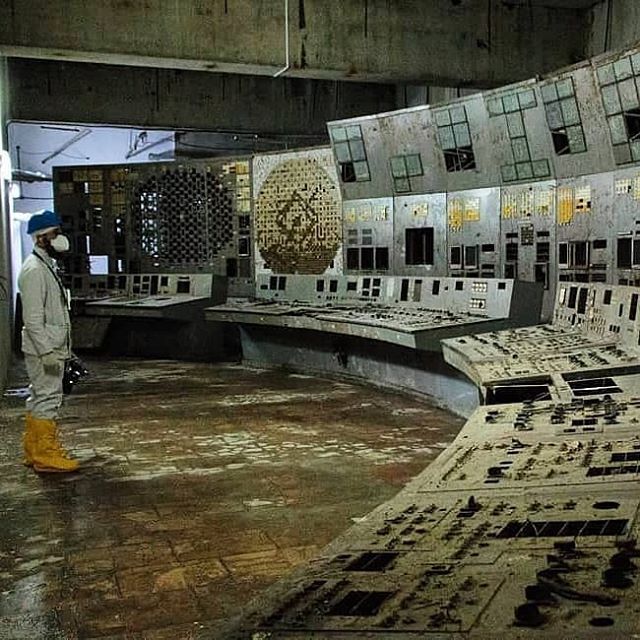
x=42, y=221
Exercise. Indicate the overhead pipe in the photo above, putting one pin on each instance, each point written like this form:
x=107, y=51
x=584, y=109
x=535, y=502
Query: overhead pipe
x=67, y=144
x=287, y=66
x=150, y=145
x=19, y=175
x=57, y=128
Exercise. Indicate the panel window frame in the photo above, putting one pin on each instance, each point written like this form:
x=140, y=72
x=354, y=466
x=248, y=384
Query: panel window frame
x=454, y=138
x=350, y=153
x=403, y=168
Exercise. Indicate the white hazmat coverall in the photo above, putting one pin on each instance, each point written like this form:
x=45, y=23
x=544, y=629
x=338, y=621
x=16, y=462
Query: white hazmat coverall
x=46, y=335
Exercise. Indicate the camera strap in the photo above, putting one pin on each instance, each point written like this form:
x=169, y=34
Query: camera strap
x=64, y=292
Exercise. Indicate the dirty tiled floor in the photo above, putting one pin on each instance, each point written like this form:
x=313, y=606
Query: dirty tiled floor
x=201, y=485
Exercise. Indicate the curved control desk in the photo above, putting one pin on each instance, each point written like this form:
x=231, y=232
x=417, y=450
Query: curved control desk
x=526, y=525
x=381, y=329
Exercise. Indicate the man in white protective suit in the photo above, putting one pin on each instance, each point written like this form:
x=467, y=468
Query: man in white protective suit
x=46, y=343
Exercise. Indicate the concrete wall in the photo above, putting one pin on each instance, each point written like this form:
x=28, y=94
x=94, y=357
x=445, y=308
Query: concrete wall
x=451, y=43
x=165, y=98
x=410, y=95
x=615, y=24
x=5, y=274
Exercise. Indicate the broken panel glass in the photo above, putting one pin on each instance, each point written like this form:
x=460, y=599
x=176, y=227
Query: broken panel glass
x=565, y=88
x=525, y=170
x=618, y=130
x=576, y=139
x=515, y=124
x=611, y=99
x=560, y=141
x=555, y=119
x=357, y=150
x=562, y=528
x=338, y=134
x=360, y=603
x=520, y=150
x=372, y=561
x=398, y=167
x=632, y=123
x=622, y=68
x=549, y=92
x=628, y=94
x=414, y=164
x=527, y=99
x=462, y=136
x=461, y=159
x=510, y=103
x=570, y=111
x=606, y=74
x=347, y=173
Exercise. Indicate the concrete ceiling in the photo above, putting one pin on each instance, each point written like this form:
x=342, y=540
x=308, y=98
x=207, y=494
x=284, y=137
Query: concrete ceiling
x=463, y=43
x=555, y=4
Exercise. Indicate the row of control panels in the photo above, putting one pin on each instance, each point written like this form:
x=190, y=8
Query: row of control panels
x=592, y=343
x=479, y=296
x=87, y=287
x=163, y=296
x=411, y=312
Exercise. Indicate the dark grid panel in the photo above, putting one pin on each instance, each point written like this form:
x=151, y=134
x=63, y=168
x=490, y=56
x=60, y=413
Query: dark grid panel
x=182, y=217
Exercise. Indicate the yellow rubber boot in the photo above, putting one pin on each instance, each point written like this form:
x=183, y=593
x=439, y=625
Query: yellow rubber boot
x=47, y=453
x=27, y=440
x=29, y=437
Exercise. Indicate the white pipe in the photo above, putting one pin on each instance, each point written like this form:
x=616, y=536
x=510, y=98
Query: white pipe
x=287, y=66
x=135, y=152
x=66, y=145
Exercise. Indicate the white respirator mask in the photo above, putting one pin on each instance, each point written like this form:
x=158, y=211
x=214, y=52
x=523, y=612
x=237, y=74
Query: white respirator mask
x=60, y=243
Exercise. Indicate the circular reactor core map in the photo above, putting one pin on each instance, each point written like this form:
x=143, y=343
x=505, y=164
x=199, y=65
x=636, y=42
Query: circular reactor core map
x=297, y=218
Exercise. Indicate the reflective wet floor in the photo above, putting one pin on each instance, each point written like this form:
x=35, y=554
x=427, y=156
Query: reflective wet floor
x=200, y=486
